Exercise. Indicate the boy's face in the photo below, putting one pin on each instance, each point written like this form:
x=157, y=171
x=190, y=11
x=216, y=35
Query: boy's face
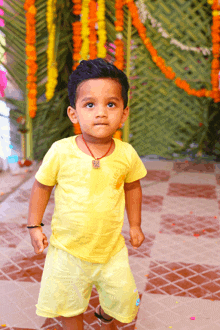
x=98, y=101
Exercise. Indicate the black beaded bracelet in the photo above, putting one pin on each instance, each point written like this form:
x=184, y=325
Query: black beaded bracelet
x=35, y=226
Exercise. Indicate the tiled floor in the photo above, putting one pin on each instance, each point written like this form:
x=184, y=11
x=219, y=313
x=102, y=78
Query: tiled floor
x=176, y=269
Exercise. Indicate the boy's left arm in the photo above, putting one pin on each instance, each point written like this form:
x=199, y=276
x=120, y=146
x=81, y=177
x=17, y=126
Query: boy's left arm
x=133, y=201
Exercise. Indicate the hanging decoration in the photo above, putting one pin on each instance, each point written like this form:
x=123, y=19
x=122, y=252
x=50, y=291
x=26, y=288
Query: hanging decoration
x=119, y=46
x=160, y=62
x=3, y=82
x=215, y=50
x=2, y=23
x=101, y=29
x=77, y=44
x=3, y=72
x=85, y=30
x=92, y=30
x=119, y=51
x=77, y=40
x=144, y=14
x=30, y=49
x=52, y=72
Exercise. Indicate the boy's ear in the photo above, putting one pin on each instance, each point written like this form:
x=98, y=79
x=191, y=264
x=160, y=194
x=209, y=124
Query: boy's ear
x=71, y=112
x=125, y=114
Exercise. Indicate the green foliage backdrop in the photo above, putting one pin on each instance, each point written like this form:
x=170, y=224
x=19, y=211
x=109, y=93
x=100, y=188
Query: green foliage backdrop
x=171, y=116
x=161, y=114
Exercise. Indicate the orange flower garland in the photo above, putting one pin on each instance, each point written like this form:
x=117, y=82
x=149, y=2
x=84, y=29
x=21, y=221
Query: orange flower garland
x=215, y=50
x=119, y=51
x=160, y=62
x=92, y=30
x=77, y=39
x=77, y=45
x=30, y=40
x=77, y=7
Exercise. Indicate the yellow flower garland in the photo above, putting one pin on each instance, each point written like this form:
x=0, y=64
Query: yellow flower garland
x=101, y=29
x=52, y=72
x=85, y=30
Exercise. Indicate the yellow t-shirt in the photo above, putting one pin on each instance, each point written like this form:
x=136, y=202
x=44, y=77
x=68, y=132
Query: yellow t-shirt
x=89, y=203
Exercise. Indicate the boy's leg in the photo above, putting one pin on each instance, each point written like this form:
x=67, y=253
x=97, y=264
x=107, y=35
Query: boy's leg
x=111, y=326
x=106, y=316
x=73, y=323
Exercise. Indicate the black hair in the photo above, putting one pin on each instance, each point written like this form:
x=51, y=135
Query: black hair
x=97, y=68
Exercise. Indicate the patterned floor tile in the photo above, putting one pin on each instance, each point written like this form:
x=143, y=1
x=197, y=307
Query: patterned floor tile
x=188, y=249
x=195, y=206
x=176, y=269
x=153, y=175
x=150, y=222
x=192, y=190
x=181, y=279
x=194, y=178
x=155, y=188
x=152, y=203
x=218, y=179
x=190, y=225
x=188, y=166
x=20, y=268
x=176, y=312
x=158, y=165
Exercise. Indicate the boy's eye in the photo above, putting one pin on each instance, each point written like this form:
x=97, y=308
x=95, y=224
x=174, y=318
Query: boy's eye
x=112, y=104
x=89, y=105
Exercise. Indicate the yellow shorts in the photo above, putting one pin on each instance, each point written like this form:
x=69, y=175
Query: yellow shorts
x=67, y=283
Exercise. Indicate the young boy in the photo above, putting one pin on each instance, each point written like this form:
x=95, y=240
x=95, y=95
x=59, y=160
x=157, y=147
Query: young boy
x=96, y=176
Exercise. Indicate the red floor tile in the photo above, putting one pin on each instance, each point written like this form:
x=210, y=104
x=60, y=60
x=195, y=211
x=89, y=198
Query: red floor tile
x=190, y=225
x=153, y=175
x=192, y=190
x=152, y=203
x=183, y=279
x=193, y=167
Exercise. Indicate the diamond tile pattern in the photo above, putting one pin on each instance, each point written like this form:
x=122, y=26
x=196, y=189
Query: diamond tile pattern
x=152, y=203
x=181, y=279
x=192, y=190
x=153, y=175
x=190, y=225
x=193, y=167
x=176, y=269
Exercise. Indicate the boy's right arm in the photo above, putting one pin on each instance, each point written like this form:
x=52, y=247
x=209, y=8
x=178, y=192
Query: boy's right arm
x=39, y=198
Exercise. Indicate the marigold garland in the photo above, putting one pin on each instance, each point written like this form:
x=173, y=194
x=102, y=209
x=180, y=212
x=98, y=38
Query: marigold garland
x=101, y=29
x=92, y=30
x=119, y=51
x=85, y=30
x=52, y=72
x=215, y=50
x=77, y=44
x=145, y=14
x=30, y=49
x=77, y=39
x=160, y=62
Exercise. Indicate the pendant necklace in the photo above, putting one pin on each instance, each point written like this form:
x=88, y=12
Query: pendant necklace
x=96, y=162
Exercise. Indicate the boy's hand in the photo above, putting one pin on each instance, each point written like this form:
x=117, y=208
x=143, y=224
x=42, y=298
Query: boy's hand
x=137, y=237
x=38, y=240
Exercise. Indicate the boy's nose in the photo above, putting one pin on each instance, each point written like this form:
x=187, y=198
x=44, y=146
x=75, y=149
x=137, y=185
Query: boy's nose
x=101, y=109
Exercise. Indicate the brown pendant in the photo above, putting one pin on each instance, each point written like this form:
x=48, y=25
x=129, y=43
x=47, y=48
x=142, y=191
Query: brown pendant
x=96, y=163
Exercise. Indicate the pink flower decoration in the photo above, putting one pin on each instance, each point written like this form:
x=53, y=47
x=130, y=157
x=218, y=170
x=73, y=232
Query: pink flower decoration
x=3, y=82
x=112, y=45
x=2, y=23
